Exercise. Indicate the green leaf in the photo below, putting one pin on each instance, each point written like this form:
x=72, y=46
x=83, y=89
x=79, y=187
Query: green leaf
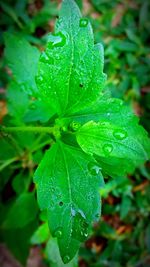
x=119, y=145
x=22, y=59
x=18, y=102
x=70, y=71
x=38, y=111
x=104, y=109
x=67, y=179
x=7, y=151
x=23, y=109
x=23, y=211
x=53, y=255
x=11, y=12
x=125, y=207
x=21, y=247
x=21, y=183
x=41, y=235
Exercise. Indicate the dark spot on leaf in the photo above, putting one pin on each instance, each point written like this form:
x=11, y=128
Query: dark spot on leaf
x=61, y=203
x=81, y=85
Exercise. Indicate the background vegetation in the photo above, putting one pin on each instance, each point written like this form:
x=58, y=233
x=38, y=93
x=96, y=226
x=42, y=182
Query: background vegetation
x=122, y=237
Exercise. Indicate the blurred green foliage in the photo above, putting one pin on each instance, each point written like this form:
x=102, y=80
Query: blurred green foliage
x=122, y=237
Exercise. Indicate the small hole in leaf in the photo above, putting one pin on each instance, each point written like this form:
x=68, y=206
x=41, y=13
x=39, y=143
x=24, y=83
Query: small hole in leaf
x=81, y=85
x=61, y=203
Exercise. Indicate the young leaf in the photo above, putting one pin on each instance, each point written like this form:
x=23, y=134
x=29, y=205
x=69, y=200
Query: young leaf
x=70, y=71
x=22, y=59
x=24, y=209
x=41, y=234
x=116, y=143
x=67, y=186
x=17, y=102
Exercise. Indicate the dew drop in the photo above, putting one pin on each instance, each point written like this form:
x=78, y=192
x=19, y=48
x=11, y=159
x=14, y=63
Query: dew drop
x=83, y=22
x=74, y=126
x=57, y=56
x=120, y=134
x=81, y=233
x=44, y=58
x=81, y=213
x=73, y=212
x=39, y=79
x=93, y=169
x=58, y=232
x=56, y=40
x=107, y=148
x=66, y=259
x=86, y=234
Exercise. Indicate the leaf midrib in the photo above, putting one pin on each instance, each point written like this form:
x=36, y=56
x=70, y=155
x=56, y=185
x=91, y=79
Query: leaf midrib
x=70, y=190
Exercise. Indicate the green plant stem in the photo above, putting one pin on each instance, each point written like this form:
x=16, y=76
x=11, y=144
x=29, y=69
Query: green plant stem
x=35, y=129
x=8, y=162
x=48, y=142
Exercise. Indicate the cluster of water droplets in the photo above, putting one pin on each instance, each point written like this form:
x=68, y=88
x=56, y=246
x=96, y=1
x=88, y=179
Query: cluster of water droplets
x=56, y=197
x=79, y=230
x=119, y=135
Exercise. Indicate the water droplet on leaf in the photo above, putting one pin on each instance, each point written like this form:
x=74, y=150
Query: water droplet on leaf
x=93, y=169
x=44, y=58
x=81, y=213
x=74, y=126
x=66, y=259
x=57, y=56
x=73, y=212
x=56, y=40
x=107, y=148
x=85, y=234
x=83, y=22
x=58, y=232
x=120, y=134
